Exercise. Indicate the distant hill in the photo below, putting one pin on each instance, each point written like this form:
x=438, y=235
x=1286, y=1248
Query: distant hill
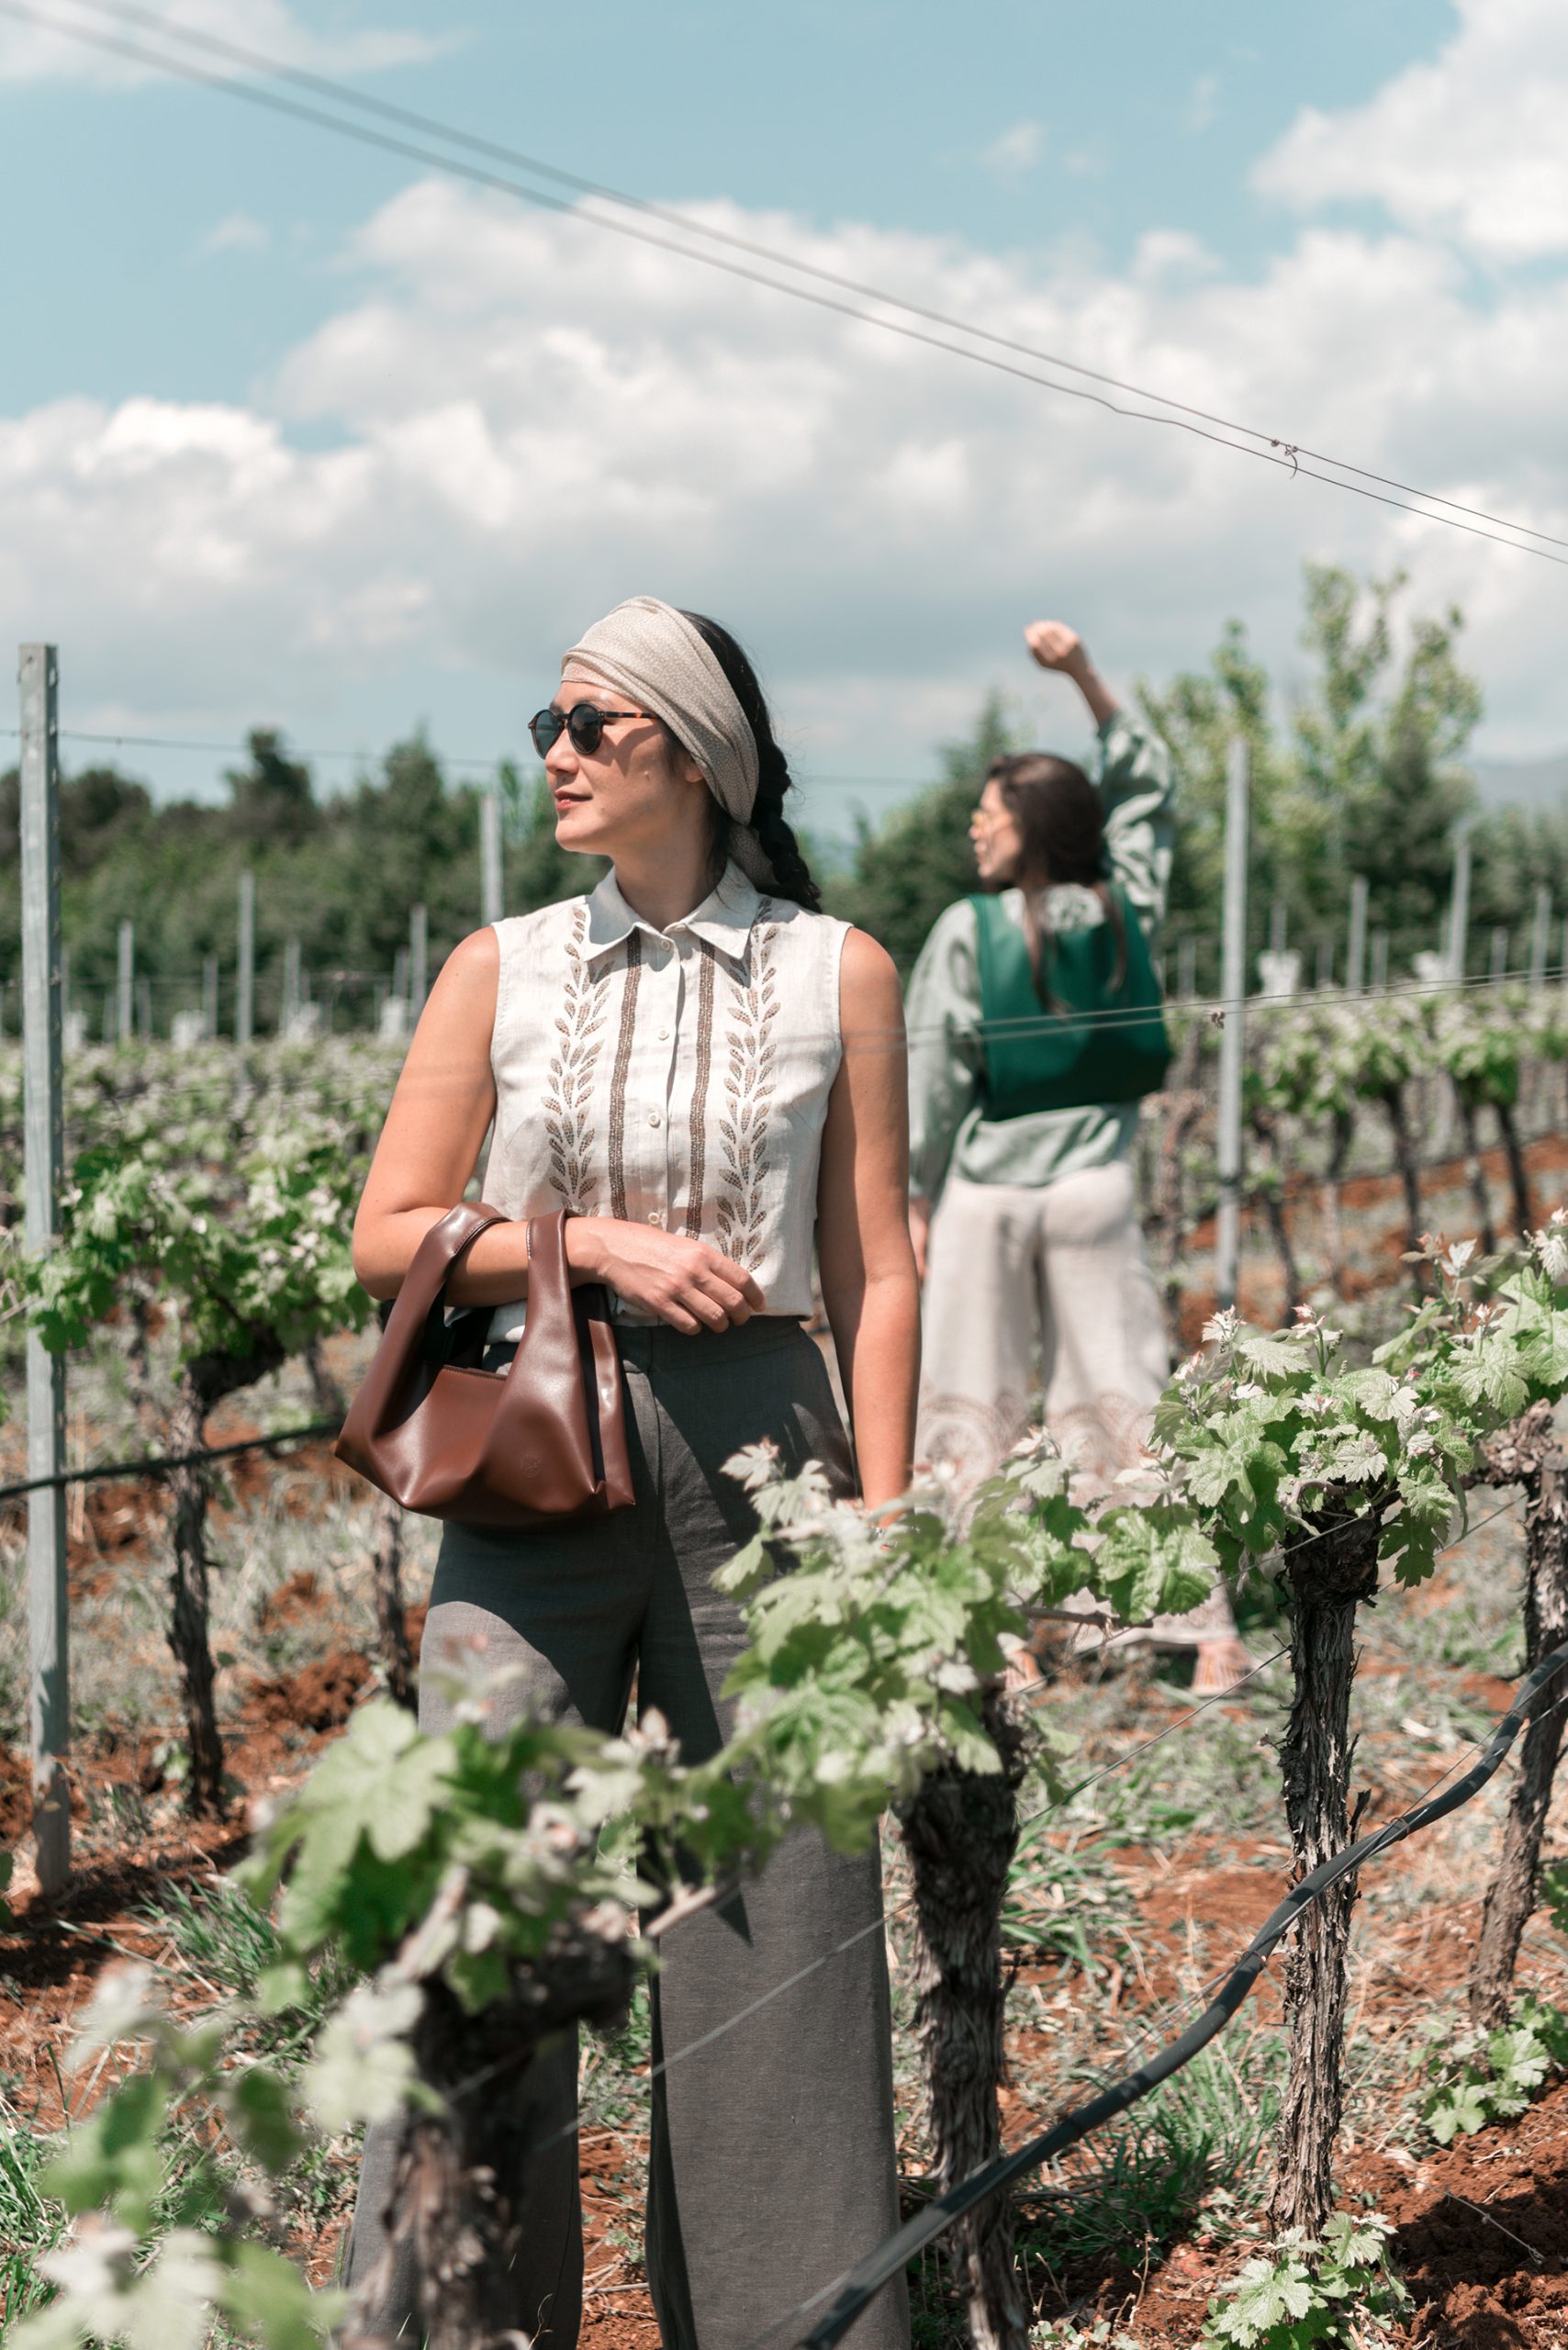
x=1535, y=784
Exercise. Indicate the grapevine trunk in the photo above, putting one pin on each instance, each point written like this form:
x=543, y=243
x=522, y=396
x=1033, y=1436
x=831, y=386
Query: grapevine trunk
x=1527, y=1454
x=1409, y=1171
x=1519, y=1174
x=1328, y=1576
x=1334, y=1201
x=205, y=1380
x=188, y=1607
x=386, y=1576
x=960, y=1831
x=1270, y=1191
x=456, y=2210
x=1475, y=1175
x=330, y=1401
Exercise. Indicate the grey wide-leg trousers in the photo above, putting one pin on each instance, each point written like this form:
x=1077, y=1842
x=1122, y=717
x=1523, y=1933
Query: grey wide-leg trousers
x=772, y=2162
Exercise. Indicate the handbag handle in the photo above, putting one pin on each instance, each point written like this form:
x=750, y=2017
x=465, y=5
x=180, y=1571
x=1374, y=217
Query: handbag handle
x=435, y=1261
x=547, y=1441
x=422, y=1295
x=549, y=1326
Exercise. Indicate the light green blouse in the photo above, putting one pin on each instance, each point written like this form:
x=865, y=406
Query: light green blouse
x=947, y=1133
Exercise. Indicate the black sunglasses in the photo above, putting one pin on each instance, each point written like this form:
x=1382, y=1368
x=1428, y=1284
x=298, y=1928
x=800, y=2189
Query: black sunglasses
x=583, y=722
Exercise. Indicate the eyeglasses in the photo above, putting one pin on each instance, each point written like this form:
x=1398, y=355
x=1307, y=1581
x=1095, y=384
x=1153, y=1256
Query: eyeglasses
x=583, y=722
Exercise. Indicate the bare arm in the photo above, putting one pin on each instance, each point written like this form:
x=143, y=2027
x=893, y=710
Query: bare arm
x=868, y=1268
x=435, y=1128
x=1055, y=646
x=430, y=1146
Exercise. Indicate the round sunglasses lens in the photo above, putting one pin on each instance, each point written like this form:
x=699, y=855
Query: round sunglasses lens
x=546, y=727
x=584, y=726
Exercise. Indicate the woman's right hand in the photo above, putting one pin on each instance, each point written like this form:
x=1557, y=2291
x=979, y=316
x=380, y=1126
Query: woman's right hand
x=687, y=1283
x=1055, y=645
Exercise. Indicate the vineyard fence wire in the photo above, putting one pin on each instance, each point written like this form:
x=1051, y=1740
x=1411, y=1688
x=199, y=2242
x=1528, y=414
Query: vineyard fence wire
x=852, y=2292
x=859, y=2286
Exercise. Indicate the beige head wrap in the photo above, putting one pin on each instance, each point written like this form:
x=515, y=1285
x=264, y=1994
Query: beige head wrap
x=652, y=653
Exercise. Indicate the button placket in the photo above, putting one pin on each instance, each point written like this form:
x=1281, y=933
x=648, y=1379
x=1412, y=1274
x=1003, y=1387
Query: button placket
x=671, y=1012
x=650, y=1113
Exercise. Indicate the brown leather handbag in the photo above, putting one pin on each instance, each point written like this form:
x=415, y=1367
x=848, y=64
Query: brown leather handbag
x=534, y=1444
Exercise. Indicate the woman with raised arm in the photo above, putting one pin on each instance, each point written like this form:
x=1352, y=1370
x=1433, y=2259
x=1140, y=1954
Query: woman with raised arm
x=1034, y=1029
x=709, y=1074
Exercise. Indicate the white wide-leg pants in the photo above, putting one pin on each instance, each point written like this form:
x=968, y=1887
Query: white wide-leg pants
x=1040, y=1304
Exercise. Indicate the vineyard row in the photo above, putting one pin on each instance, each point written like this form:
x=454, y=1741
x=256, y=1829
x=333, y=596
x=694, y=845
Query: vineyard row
x=463, y=1879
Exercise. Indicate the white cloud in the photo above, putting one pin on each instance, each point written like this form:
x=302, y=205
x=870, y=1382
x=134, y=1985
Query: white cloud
x=237, y=233
x=1016, y=152
x=1469, y=145
x=523, y=421
x=32, y=53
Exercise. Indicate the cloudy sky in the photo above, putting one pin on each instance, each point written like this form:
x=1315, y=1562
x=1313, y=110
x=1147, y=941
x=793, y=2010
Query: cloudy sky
x=295, y=431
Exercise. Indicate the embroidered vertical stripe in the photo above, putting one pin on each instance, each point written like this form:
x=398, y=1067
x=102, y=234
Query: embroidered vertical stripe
x=620, y=1074
x=674, y=1077
x=569, y=1086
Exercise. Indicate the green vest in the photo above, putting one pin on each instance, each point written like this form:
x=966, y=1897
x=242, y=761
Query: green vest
x=1036, y=1059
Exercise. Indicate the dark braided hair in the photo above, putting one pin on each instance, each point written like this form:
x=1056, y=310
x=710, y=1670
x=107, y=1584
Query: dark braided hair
x=1062, y=823
x=791, y=876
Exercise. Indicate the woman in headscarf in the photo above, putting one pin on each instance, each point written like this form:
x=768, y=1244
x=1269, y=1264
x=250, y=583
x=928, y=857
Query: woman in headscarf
x=709, y=1073
x=1034, y=1028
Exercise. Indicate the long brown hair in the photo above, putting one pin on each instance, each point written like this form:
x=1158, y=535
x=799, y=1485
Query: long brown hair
x=1061, y=826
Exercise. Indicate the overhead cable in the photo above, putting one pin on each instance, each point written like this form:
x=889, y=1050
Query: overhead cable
x=346, y=94
x=1270, y=449
x=244, y=750
x=214, y=747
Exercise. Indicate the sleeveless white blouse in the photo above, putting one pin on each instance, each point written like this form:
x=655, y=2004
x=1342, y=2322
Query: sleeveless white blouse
x=676, y=1077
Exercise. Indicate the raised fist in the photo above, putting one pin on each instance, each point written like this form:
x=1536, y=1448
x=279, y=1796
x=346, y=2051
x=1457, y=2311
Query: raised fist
x=1055, y=645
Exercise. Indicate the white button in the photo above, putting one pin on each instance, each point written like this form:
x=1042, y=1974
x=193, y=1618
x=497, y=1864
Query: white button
x=664, y=1035
x=654, y=1216
x=653, y=1118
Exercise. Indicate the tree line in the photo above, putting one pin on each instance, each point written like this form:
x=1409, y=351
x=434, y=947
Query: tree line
x=1359, y=769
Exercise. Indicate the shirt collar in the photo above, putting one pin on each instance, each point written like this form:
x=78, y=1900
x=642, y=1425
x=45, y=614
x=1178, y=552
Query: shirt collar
x=725, y=918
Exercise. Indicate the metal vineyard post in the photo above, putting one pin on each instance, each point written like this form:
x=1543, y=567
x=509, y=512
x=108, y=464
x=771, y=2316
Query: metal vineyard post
x=1233, y=991
x=48, y=1603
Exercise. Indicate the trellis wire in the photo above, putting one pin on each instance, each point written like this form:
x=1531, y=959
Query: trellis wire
x=885, y=1917
x=852, y=2291
x=899, y=1909
x=1028, y=1024
x=1058, y=1803
x=152, y=1466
